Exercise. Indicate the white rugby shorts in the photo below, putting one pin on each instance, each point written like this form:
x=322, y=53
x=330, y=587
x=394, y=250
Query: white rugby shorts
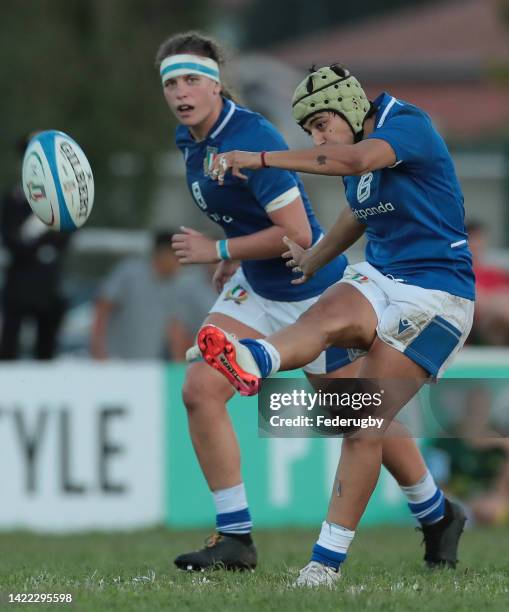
x=428, y=325
x=240, y=301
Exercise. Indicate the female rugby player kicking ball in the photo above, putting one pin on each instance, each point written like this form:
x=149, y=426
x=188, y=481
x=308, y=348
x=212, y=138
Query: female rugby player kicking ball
x=256, y=298
x=409, y=306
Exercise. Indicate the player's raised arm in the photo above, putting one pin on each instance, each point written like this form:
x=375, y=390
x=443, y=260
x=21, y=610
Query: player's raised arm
x=328, y=159
x=335, y=159
x=331, y=106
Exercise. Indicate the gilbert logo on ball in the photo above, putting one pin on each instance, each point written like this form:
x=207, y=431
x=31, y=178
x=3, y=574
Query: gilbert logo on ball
x=57, y=180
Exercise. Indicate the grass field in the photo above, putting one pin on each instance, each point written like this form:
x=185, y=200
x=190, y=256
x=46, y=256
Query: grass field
x=134, y=572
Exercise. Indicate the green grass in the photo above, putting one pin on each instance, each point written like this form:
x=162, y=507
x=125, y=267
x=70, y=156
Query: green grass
x=134, y=572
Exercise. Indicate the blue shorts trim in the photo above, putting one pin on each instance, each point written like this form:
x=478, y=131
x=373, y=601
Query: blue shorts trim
x=335, y=358
x=434, y=345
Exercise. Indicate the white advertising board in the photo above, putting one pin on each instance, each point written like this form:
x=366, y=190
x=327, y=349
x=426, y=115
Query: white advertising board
x=81, y=445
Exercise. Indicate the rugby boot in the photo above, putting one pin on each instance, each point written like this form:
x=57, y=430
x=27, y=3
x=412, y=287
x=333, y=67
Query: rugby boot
x=220, y=552
x=317, y=574
x=193, y=354
x=441, y=540
x=227, y=355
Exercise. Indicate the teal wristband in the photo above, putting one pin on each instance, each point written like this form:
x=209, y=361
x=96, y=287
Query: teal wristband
x=222, y=249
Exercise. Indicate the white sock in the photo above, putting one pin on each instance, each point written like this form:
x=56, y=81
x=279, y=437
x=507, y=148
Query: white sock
x=273, y=354
x=334, y=537
x=425, y=500
x=231, y=499
x=422, y=490
x=232, y=513
x=332, y=545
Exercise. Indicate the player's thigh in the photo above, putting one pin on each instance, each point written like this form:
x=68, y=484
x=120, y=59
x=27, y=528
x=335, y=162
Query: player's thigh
x=232, y=326
x=204, y=386
x=396, y=375
x=384, y=361
x=345, y=316
x=350, y=370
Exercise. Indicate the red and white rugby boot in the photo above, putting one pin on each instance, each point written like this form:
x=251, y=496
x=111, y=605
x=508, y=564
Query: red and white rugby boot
x=232, y=359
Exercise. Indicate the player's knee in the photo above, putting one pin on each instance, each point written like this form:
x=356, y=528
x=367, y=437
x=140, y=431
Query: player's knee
x=204, y=389
x=326, y=318
x=191, y=393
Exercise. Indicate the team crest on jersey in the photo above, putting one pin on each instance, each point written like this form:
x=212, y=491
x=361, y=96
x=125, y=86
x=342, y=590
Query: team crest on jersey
x=238, y=294
x=359, y=278
x=208, y=160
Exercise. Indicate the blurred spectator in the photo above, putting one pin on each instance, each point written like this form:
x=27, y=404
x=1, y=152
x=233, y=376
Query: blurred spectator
x=491, y=321
x=149, y=308
x=32, y=290
x=489, y=450
x=474, y=465
x=477, y=457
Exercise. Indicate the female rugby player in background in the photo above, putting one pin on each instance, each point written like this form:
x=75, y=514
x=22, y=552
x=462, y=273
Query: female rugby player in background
x=410, y=305
x=256, y=298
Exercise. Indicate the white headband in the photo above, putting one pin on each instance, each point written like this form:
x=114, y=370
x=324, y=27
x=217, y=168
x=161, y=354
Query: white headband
x=177, y=65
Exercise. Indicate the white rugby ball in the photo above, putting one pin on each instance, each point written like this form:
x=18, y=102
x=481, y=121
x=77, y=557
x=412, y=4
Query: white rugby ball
x=57, y=180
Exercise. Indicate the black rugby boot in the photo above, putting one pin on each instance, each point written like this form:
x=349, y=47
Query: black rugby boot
x=441, y=540
x=220, y=552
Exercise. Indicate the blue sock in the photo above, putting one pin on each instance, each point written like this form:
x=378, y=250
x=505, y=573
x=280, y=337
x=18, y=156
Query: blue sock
x=425, y=500
x=232, y=512
x=327, y=556
x=260, y=355
x=430, y=511
x=234, y=522
x=332, y=545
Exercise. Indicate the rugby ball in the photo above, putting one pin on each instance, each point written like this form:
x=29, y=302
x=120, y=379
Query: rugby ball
x=57, y=181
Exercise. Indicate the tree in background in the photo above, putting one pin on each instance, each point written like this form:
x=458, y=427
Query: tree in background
x=87, y=67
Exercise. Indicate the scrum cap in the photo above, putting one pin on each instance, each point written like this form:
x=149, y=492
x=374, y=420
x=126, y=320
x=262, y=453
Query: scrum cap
x=332, y=88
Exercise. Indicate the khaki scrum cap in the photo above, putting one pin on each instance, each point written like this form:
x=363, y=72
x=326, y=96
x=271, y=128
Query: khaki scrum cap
x=331, y=88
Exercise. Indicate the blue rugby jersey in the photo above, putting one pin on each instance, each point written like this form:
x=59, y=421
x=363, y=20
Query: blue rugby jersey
x=240, y=207
x=414, y=210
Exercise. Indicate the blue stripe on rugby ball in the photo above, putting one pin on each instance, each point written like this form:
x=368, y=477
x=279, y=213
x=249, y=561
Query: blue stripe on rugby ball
x=47, y=140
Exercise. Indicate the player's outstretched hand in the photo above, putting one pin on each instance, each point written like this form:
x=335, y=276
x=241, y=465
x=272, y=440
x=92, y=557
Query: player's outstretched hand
x=234, y=161
x=192, y=247
x=299, y=260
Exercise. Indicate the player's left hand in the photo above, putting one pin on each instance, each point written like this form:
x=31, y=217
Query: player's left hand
x=234, y=161
x=299, y=260
x=192, y=247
